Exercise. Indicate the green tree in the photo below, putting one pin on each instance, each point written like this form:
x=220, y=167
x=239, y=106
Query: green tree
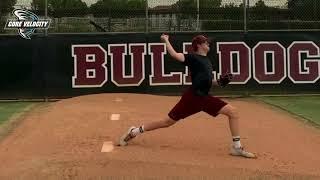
x=296, y=3
x=38, y=5
x=230, y=5
x=60, y=8
x=232, y=11
x=118, y=8
x=260, y=4
x=6, y=6
x=185, y=5
x=208, y=4
x=114, y=9
x=136, y=4
x=260, y=11
x=261, y=16
x=188, y=8
x=304, y=9
x=191, y=5
x=208, y=9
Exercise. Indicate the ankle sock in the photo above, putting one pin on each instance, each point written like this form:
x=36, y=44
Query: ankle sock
x=138, y=130
x=236, y=141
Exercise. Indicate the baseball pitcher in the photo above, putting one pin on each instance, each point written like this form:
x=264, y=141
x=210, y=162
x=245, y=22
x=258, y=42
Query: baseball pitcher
x=196, y=98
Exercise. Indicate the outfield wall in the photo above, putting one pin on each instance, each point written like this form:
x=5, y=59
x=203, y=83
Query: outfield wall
x=60, y=66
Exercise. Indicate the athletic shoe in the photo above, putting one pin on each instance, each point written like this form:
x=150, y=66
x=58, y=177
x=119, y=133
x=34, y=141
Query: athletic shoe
x=126, y=137
x=241, y=152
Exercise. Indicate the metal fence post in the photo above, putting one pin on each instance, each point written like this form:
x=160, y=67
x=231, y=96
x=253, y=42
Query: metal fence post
x=198, y=16
x=245, y=16
x=315, y=10
x=147, y=17
x=46, y=15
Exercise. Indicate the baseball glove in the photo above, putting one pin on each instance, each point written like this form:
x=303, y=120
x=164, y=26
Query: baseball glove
x=224, y=79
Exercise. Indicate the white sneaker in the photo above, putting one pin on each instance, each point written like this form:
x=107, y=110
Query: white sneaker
x=241, y=152
x=126, y=137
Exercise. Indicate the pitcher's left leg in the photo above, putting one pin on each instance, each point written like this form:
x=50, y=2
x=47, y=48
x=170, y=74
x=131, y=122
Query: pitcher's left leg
x=215, y=106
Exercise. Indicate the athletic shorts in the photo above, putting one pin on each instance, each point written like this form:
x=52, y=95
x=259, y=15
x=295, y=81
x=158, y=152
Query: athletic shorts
x=190, y=104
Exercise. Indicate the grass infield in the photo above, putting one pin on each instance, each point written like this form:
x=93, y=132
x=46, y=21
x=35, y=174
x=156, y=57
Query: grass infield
x=306, y=107
x=9, y=109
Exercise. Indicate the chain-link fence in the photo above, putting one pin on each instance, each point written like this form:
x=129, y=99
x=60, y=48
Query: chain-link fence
x=91, y=16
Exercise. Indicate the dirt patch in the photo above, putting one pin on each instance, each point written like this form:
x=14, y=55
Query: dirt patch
x=64, y=140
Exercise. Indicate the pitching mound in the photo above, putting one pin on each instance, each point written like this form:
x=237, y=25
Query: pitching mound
x=64, y=141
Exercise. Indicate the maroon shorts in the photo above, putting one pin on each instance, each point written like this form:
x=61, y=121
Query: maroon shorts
x=190, y=104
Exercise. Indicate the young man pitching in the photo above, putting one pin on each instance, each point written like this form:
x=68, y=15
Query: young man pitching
x=196, y=98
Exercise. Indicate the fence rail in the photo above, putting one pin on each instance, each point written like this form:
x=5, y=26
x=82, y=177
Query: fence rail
x=172, y=15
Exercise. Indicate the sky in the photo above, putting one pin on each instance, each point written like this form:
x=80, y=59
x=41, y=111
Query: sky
x=153, y=3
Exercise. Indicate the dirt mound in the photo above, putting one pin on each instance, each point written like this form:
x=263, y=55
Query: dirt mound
x=64, y=140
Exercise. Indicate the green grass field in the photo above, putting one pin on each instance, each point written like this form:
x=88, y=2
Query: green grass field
x=8, y=109
x=306, y=107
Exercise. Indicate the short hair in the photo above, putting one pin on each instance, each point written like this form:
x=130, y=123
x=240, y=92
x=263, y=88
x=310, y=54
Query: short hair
x=199, y=39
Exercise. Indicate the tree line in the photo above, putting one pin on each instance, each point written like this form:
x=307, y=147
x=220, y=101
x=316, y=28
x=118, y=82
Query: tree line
x=305, y=10
x=302, y=9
